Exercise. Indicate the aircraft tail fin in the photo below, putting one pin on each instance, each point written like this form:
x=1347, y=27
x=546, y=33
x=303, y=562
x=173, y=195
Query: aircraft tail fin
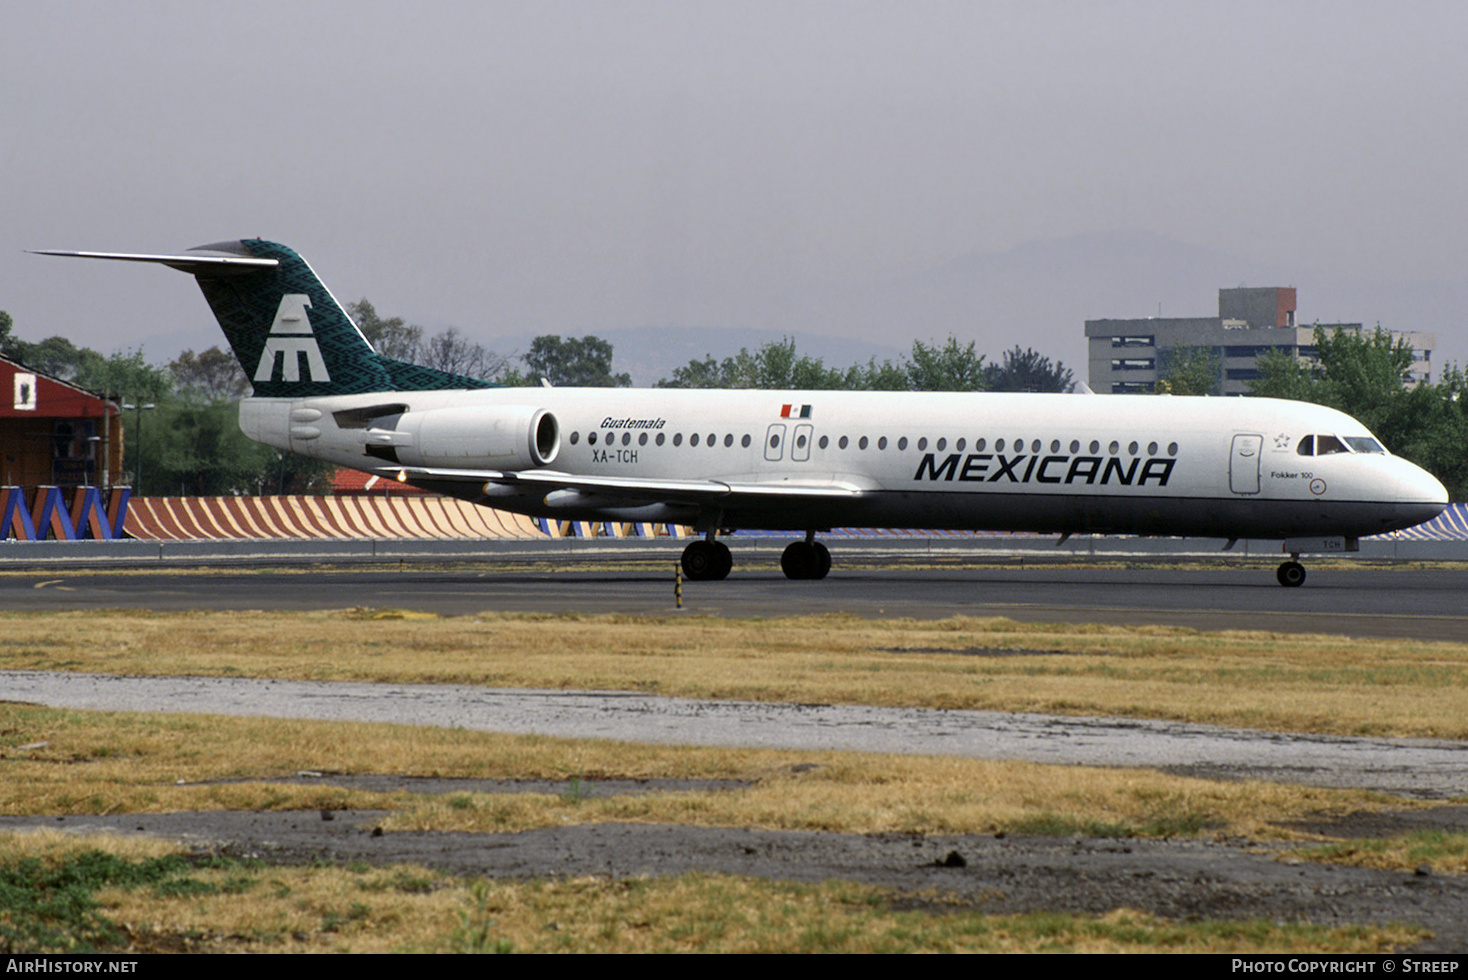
x=290, y=335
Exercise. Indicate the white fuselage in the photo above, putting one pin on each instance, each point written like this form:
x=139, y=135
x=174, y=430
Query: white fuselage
x=1057, y=463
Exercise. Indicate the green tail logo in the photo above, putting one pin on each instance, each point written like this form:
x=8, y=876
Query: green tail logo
x=261, y=293
x=291, y=338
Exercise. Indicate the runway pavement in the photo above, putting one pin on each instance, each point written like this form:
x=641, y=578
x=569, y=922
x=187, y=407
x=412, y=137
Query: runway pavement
x=1415, y=603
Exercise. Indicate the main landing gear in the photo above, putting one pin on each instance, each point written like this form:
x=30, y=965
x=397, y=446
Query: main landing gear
x=709, y=560
x=808, y=559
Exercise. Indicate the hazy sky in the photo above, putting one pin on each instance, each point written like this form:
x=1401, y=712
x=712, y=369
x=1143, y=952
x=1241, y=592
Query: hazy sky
x=563, y=166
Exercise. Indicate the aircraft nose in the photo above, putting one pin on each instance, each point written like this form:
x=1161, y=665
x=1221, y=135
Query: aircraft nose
x=1417, y=486
x=1420, y=497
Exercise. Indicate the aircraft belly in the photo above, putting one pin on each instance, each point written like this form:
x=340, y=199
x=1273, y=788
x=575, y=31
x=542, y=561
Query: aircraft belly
x=1051, y=513
x=1084, y=514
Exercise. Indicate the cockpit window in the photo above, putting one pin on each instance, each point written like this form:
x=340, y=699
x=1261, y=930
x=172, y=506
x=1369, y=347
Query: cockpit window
x=1326, y=445
x=1365, y=444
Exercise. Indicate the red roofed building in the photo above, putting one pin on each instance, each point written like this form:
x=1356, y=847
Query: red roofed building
x=53, y=433
x=348, y=482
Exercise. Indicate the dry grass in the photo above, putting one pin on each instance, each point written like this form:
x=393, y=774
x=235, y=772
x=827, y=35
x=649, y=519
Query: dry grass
x=235, y=906
x=1438, y=851
x=1307, y=683
x=95, y=762
x=81, y=762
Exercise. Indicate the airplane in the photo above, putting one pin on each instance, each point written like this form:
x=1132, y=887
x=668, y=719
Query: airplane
x=801, y=461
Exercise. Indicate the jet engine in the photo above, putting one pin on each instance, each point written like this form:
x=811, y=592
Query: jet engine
x=499, y=438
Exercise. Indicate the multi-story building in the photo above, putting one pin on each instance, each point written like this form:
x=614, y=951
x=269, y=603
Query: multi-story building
x=1131, y=355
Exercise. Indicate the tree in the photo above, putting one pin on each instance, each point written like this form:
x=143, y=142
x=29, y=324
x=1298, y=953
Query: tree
x=1364, y=376
x=948, y=368
x=56, y=356
x=705, y=373
x=1189, y=371
x=776, y=366
x=392, y=337
x=1367, y=376
x=576, y=362
x=214, y=375
x=885, y=376
x=124, y=375
x=1440, y=443
x=448, y=351
x=1283, y=375
x=1026, y=370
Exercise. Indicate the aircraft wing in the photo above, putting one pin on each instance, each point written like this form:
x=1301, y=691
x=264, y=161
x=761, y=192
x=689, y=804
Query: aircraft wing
x=636, y=488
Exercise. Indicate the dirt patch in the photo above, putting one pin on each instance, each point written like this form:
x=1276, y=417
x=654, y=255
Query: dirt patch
x=1389, y=823
x=1179, y=878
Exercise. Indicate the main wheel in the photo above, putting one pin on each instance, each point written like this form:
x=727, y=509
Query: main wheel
x=823, y=558
x=706, y=561
x=805, y=560
x=1291, y=574
x=800, y=561
x=725, y=559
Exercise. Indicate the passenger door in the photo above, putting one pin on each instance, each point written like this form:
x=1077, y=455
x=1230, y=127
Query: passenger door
x=1243, y=464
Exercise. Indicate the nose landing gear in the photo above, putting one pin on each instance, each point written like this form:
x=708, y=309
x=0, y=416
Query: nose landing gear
x=1291, y=574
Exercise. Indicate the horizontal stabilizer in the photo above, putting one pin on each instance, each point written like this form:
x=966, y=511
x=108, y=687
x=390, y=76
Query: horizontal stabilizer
x=194, y=264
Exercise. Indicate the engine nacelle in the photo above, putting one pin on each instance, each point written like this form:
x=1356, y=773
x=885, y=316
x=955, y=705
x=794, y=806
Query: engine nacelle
x=499, y=438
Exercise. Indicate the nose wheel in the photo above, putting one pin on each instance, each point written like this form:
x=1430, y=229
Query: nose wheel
x=1291, y=574
x=707, y=561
